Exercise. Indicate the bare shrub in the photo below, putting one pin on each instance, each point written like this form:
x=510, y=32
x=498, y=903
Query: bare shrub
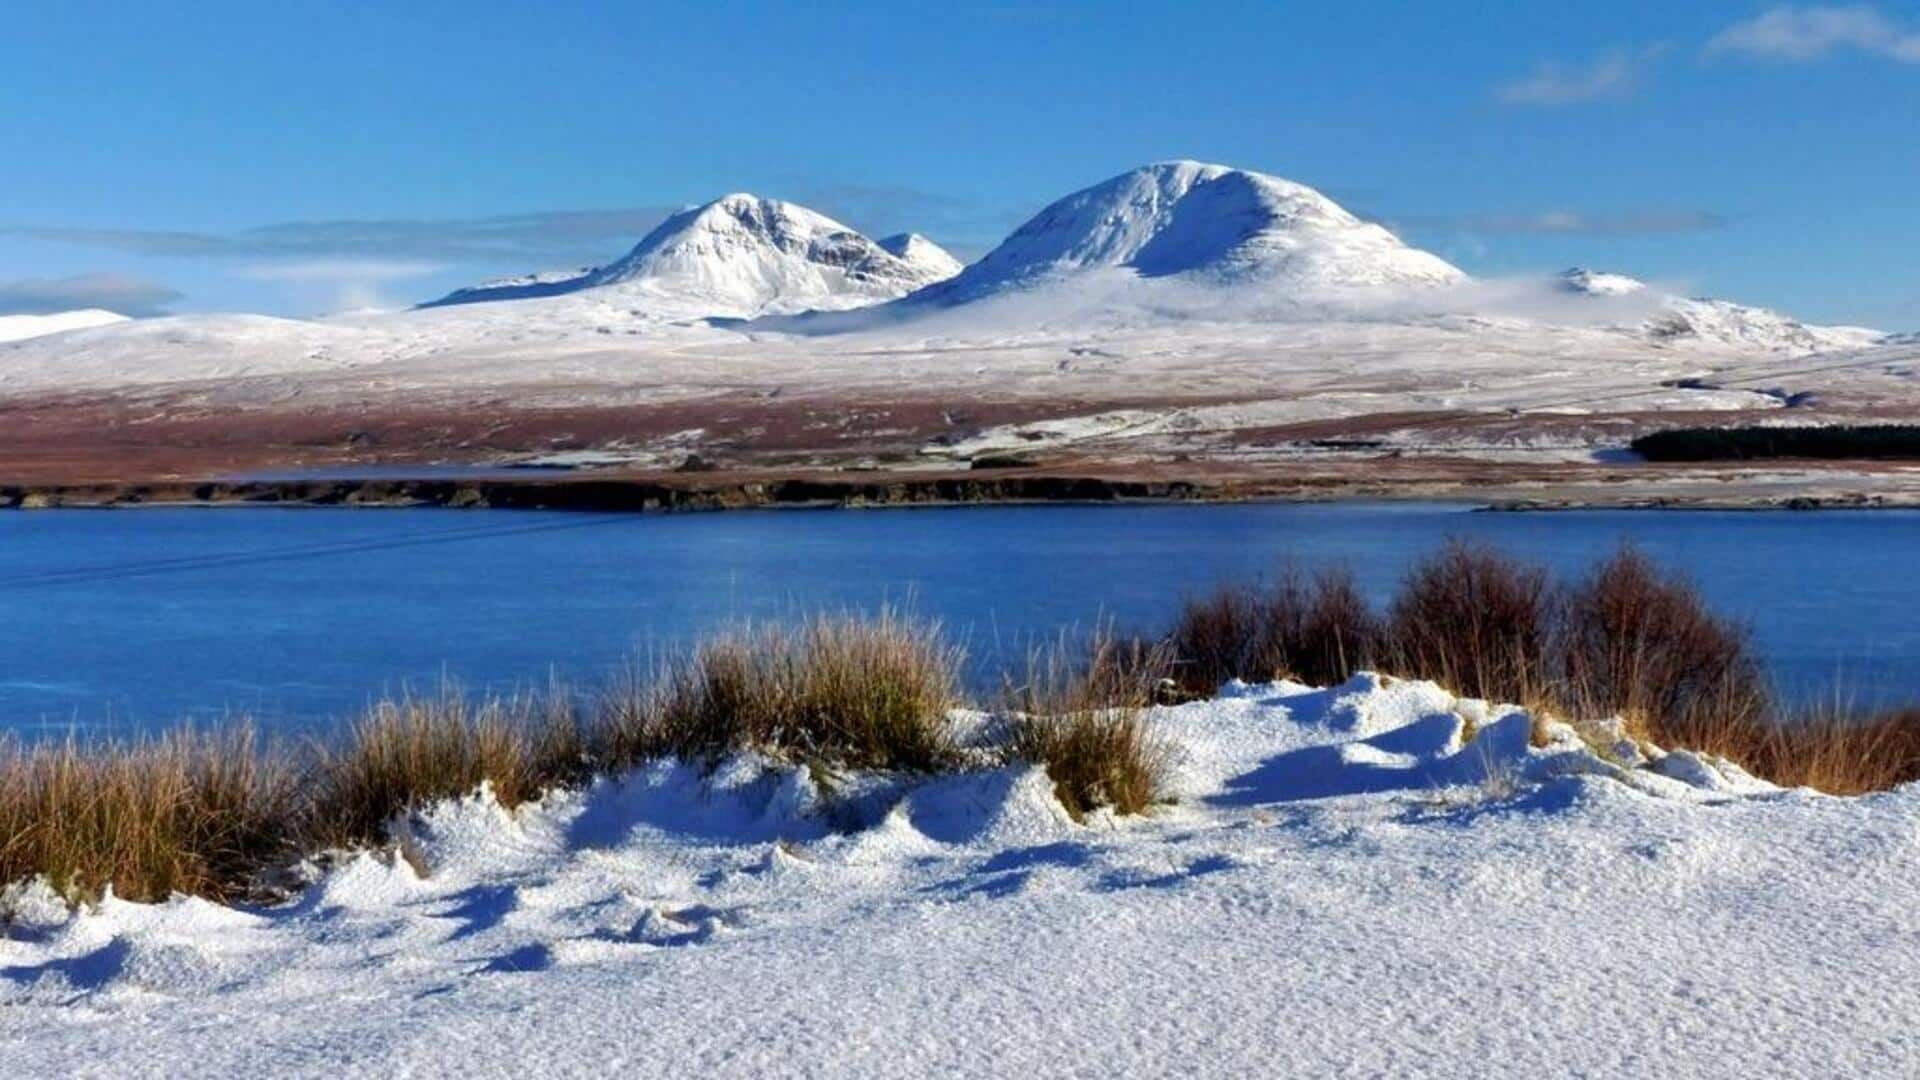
x=1220, y=637
x=1643, y=646
x=1318, y=630
x=1336, y=633
x=1474, y=620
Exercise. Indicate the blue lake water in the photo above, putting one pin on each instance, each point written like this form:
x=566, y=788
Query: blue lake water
x=138, y=619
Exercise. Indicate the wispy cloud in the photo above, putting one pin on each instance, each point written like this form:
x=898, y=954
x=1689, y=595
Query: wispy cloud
x=1799, y=34
x=1614, y=75
x=340, y=269
x=562, y=235
x=124, y=293
x=1645, y=222
x=345, y=284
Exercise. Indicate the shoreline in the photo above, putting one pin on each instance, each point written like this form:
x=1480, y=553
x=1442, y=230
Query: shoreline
x=683, y=493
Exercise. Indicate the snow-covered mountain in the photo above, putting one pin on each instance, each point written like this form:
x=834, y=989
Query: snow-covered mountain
x=1721, y=321
x=1202, y=221
x=21, y=327
x=741, y=256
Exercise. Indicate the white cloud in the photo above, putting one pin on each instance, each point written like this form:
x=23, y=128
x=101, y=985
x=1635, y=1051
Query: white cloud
x=562, y=236
x=1642, y=222
x=1614, y=75
x=1800, y=34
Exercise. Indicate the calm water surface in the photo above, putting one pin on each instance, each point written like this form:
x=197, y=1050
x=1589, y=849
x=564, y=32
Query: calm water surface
x=139, y=619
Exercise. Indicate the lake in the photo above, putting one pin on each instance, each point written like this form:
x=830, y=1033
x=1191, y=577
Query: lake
x=139, y=619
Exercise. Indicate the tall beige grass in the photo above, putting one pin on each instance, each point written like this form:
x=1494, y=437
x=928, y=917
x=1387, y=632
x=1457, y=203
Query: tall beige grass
x=416, y=749
x=188, y=812
x=860, y=692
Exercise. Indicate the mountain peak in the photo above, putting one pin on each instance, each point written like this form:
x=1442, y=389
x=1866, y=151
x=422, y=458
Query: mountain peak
x=917, y=250
x=739, y=256
x=1598, y=283
x=1191, y=217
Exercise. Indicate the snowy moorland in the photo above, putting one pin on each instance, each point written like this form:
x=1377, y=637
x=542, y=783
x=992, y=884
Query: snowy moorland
x=1377, y=879
x=1188, y=285
x=21, y=327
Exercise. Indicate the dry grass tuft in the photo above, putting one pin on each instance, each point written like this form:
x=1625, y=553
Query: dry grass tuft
x=1834, y=752
x=406, y=753
x=1087, y=726
x=187, y=813
x=843, y=690
x=1473, y=620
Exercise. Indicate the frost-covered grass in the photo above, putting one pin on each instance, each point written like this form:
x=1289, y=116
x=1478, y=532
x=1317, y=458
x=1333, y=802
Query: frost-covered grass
x=1629, y=657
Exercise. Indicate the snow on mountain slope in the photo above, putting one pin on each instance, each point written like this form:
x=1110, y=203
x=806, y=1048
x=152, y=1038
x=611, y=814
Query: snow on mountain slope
x=919, y=252
x=1722, y=321
x=183, y=348
x=21, y=327
x=519, y=287
x=1374, y=879
x=741, y=256
x=1211, y=221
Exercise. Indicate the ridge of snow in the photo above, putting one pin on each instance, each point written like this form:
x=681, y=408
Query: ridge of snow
x=1195, y=219
x=1722, y=321
x=22, y=327
x=518, y=287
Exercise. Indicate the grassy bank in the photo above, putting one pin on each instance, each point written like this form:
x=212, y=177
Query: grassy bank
x=1627, y=649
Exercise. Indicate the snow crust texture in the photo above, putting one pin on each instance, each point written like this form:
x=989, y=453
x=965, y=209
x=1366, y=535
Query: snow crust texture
x=1372, y=879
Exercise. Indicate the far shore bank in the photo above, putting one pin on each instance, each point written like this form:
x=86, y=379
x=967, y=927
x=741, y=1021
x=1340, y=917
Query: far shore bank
x=1778, y=488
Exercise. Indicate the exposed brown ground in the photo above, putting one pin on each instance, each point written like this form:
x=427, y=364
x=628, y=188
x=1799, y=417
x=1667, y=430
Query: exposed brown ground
x=875, y=450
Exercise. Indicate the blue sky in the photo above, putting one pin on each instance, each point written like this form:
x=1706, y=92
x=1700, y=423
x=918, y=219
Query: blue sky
x=206, y=156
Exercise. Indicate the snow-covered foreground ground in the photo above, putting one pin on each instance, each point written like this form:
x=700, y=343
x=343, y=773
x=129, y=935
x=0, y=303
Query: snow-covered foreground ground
x=1343, y=886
